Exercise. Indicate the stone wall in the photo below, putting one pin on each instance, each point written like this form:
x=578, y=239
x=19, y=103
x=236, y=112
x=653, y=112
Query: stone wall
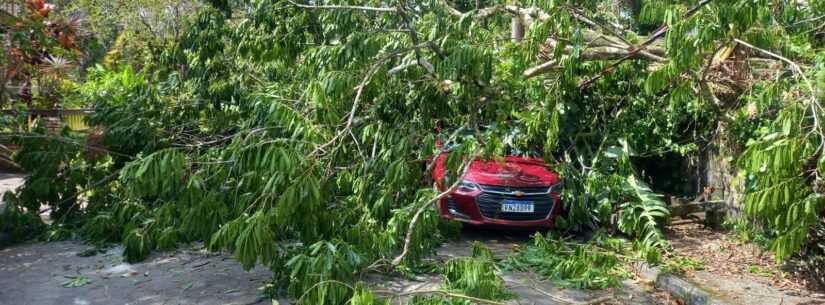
x=718, y=170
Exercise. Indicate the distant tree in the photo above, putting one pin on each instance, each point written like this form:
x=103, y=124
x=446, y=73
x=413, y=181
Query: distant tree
x=39, y=54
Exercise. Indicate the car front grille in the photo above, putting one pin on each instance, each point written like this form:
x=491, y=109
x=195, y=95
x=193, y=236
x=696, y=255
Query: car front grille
x=490, y=205
x=451, y=204
x=507, y=189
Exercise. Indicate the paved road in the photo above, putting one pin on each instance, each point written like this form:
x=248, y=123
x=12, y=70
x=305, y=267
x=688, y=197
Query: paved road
x=37, y=274
x=8, y=182
x=528, y=288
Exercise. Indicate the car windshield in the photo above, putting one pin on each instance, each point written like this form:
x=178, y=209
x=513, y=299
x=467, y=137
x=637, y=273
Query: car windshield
x=515, y=142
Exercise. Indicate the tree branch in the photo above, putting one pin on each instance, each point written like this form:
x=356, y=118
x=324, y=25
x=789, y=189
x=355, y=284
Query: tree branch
x=453, y=11
x=351, y=116
x=540, y=69
x=408, y=239
x=414, y=37
x=345, y=7
x=815, y=107
x=442, y=293
x=359, y=92
x=658, y=34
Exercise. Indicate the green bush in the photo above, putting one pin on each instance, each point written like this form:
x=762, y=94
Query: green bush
x=17, y=222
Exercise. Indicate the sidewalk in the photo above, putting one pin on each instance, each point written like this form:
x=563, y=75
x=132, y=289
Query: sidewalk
x=738, y=272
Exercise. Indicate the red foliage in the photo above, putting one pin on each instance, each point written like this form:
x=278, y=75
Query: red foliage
x=45, y=35
x=40, y=7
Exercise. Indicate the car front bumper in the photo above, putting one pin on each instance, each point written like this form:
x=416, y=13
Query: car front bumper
x=465, y=207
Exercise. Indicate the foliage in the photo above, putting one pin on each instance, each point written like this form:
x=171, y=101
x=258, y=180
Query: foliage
x=59, y=171
x=759, y=270
x=611, y=187
x=810, y=261
x=682, y=264
x=643, y=216
x=129, y=33
x=363, y=296
x=783, y=169
x=74, y=281
x=746, y=231
x=317, y=275
x=20, y=224
x=591, y=265
x=475, y=276
x=39, y=47
x=127, y=108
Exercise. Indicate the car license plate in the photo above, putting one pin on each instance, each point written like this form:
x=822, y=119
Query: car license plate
x=517, y=206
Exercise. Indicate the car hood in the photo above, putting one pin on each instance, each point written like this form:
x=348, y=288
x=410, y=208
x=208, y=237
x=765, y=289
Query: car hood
x=512, y=171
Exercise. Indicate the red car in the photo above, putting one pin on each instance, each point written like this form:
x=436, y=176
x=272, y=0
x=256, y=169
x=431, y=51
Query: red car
x=519, y=191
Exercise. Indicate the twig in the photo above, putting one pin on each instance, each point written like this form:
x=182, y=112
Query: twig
x=658, y=34
x=68, y=141
x=782, y=58
x=442, y=150
x=408, y=239
x=358, y=93
x=443, y=293
x=345, y=7
x=613, y=35
x=563, y=300
x=808, y=20
x=200, y=265
x=815, y=107
x=414, y=37
x=73, y=196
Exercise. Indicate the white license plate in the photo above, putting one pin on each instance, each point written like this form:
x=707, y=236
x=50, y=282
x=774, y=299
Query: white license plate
x=517, y=206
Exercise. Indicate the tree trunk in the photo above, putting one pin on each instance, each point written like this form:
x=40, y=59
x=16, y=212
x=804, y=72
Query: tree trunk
x=516, y=29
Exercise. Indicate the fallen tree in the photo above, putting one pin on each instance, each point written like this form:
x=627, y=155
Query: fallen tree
x=296, y=134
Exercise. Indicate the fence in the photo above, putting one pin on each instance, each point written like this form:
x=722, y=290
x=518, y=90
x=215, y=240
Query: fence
x=73, y=118
x=13, y=8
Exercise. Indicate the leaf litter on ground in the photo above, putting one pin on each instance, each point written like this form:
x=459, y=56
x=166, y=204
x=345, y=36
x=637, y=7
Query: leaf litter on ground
x=596, y=264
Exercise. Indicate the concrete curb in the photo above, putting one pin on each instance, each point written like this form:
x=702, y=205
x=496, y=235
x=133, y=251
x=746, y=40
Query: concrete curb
x=677, y=286
x=685, y=290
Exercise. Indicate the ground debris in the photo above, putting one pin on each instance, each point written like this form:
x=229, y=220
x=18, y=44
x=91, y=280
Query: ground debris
x=725, y=257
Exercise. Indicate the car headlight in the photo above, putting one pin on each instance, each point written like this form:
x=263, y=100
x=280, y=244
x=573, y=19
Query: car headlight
x=555, y=188
x=467, y=186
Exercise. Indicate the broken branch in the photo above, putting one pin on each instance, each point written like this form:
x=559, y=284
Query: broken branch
x=815, y=107
x=442, y=293
x=408, y=239
x=658, y=34
x=345, y=7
